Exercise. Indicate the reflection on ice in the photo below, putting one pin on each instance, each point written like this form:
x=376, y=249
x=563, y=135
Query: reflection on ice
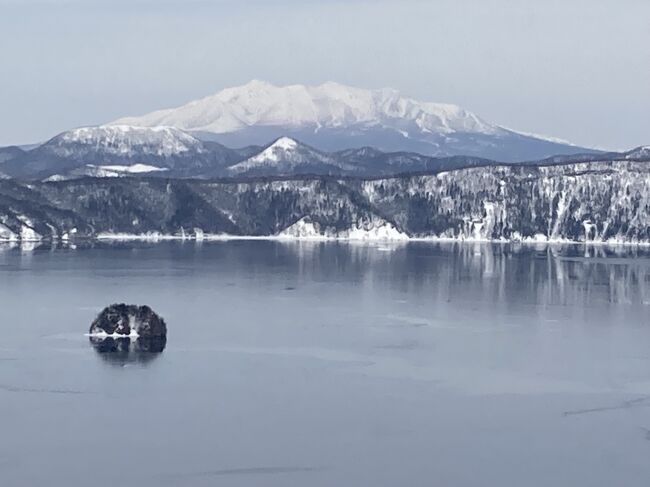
x=498, y=272
x=29, y=245
x=123, y=351
x=7, y=245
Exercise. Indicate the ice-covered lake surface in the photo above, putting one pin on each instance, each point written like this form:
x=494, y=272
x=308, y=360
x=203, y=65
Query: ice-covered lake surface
x=329, y=364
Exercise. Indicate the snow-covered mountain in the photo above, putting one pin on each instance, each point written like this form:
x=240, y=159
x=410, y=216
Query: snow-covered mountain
x=8, y=153
x=123, y=140
x=326, y=105
x=640, y=153
x=82, y=151
x=333, y=116
x=288, y=156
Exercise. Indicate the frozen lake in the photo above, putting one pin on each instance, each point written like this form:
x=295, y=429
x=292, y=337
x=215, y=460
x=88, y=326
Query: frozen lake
x=325, y=364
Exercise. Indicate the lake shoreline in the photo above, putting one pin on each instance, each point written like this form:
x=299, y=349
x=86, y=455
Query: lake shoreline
x=155, y=237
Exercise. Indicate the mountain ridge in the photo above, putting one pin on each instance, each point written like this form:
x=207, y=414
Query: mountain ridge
x=117, y=151
x=332, y=116
x=603, y=202
x=329, y=104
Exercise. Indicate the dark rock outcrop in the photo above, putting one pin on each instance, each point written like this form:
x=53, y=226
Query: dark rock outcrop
x=125, y=319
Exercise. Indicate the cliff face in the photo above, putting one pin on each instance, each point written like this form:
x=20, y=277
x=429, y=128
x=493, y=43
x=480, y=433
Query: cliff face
x=596, y=201
x=587, y=201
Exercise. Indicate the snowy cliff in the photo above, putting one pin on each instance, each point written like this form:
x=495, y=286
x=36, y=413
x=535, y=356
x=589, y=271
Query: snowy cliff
x=597, y=202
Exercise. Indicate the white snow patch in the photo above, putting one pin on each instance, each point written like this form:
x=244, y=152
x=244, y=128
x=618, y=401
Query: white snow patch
x=132, y=169
x=102, y=334
x=547, y=138
x=6, y=234
x=54, y=178
x=27, y=232
x=274, y=152
x=375, y=229
x=285, y=143
x=303, y=228
x=383, y=231
x=590, y=230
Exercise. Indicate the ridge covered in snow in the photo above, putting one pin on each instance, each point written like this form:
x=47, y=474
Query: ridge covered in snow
x=330, y=104
x=284, y=155
x=642, y=152
x=124, y=140
x=332, y=117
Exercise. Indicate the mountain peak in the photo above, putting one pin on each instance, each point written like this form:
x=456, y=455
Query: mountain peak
x=284, y=143
x=641, y=152
x=282, y=149
x=124, y=140
x=283, y=155
x=334, y=116
x=331, y=104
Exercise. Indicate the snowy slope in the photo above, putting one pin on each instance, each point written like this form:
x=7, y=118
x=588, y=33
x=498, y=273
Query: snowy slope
x=124, y=140
x=129, y=149
x=332, y=116
x=9, y=153
x=287, y=156
x=640, y=153
x=327, y=105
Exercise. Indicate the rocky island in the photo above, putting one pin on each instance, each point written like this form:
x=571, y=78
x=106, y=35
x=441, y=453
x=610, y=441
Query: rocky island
x=126, y=333
x=124, y=320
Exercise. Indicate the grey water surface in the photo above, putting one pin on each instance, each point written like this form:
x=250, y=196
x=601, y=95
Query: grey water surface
x=328, y=364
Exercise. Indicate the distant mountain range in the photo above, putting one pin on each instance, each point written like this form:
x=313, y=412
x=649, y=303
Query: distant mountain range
x=289, y=131
x=119, y=150
x=333, y=117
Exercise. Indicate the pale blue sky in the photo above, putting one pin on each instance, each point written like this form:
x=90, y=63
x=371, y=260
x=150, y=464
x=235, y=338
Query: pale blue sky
x=574, y=69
